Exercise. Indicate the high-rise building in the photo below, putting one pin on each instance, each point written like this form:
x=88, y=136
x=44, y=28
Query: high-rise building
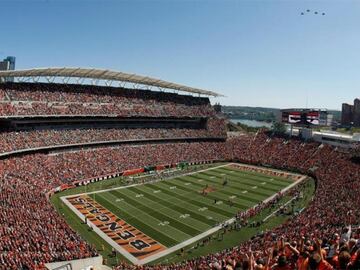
x=8, y=64
x=356, y=112
x=346, y=114
x=350, y=114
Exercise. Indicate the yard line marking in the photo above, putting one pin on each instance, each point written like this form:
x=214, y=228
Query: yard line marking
x=114, y=227
x=142, y=213
x=155, y=181
x=277, y=210
x=186, y=242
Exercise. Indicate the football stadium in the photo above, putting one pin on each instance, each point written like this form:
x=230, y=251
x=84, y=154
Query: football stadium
x=145, y=177
x=102, y=169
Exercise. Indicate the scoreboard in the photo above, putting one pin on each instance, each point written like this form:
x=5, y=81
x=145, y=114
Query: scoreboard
x=304, y=117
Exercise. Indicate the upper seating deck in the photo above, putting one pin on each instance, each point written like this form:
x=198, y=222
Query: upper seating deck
x=26, y=99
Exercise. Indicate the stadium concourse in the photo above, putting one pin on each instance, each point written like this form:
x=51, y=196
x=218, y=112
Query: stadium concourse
x=324, y=236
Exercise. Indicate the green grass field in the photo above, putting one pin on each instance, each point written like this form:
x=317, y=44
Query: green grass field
x=175, y=210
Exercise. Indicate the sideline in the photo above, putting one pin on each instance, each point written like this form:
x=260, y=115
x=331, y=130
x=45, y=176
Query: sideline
x=277, y=210
x=150, y=182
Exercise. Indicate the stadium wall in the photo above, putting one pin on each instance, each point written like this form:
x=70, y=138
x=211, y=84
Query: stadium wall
x=82, y=264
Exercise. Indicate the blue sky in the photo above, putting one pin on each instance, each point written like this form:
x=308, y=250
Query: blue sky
x=257, y=53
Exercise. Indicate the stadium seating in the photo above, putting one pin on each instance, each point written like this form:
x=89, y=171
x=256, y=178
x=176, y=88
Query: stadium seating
x=33, y=233
x=15, y=140
x=318, y=238
x=324, y=218
x=30, y=99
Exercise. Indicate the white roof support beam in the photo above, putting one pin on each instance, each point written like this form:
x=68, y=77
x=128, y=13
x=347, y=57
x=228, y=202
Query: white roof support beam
x=108, y=76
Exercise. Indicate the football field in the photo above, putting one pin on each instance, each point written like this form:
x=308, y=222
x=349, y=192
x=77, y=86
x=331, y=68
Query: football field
x=147, y=221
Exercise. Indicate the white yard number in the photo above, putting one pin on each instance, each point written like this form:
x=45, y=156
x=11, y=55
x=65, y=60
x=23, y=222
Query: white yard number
x=164, y=223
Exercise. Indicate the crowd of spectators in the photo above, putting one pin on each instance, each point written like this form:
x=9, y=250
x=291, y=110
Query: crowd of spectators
x=31, y=231
x=23, y=99
x=18, y=140
x=326, y=235
x=323, y=236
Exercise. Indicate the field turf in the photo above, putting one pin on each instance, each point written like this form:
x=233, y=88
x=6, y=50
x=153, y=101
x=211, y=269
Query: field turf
x=172, y=211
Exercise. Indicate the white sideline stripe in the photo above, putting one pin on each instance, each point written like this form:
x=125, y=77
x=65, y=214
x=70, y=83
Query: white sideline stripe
x=150, y=182
x=268, y=169
x=277, y=210
x=212, y=230
x=144, y=214
x=183, y=244
x=111, y=242
x=167, y=251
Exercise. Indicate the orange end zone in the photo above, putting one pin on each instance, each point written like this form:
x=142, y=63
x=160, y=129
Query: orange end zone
x=126, y=236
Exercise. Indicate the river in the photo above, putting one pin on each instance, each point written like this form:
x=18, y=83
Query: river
x=252, y=123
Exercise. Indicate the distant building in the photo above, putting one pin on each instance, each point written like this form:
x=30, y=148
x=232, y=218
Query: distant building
x=357, y=112
x=327, y=136
x=336, y=138
x=346, y=114
x=8, y=64
x=350, y=114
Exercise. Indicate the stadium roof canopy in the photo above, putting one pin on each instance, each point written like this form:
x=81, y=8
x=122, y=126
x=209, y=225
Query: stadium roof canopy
x=98, y=74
